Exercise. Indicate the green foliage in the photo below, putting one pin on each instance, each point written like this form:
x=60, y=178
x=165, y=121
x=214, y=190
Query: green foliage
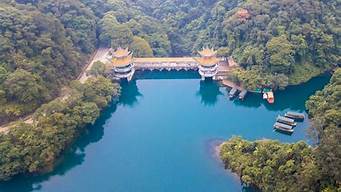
x=42, y=46
x=324, y=108
x=280, y=37
x=35, y=148
x=97, y=69
x=141, y=48
x=304, y=72
x=122, y=37
x=25, y=87
x=270, y=165
x=255, y=78
x=3, y=74
x=133, y=29
x=281, y=54
x=106, y=28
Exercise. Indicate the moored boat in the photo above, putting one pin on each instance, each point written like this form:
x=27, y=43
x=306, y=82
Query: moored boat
x=232, y=93
x=242, y=94
x=286, y=120
x=265, y=96
x=283, y=127
x=294, y=115
x=270, y=98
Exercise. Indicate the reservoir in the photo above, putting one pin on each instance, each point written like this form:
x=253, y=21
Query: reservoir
x=160, y=137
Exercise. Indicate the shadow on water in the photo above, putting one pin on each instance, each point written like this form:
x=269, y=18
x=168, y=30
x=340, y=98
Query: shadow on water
x=73, y=157
x=209, y=91
x=129, y=93
x=293, y=97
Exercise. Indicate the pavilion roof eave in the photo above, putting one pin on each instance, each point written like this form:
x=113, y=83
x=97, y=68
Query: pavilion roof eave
x=207, y=62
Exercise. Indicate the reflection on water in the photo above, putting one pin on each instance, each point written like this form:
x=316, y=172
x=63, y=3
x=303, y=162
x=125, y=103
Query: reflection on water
x=209, y=91
x=129, y=93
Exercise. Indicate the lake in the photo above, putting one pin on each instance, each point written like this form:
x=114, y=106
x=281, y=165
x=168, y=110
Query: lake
x=160, y=137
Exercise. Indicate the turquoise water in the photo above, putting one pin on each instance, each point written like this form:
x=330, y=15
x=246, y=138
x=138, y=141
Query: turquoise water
x=160, y=137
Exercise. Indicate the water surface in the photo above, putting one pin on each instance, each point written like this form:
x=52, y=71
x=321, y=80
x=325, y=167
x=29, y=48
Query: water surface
x=159, y=138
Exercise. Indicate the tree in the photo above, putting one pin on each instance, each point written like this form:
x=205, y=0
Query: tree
x=280, y=81
x=141, y=47
x=25, y=87
x=87, y=112
x=3, y=74
x=281, y=54
x=224, y=52
x=97, y=69
x=122, y=37
x=106, y=28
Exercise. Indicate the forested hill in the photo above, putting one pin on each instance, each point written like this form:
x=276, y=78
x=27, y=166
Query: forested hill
x=42, y=46
x=44, y=43
x=287, y=40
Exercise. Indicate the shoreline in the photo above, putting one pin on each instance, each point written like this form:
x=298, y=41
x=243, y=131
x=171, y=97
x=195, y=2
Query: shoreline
x=214, y=148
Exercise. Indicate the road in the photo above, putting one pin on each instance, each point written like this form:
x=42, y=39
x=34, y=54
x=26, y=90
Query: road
x=99, y=55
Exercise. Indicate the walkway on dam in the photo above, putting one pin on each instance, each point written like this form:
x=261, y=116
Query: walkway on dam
x=176, y=63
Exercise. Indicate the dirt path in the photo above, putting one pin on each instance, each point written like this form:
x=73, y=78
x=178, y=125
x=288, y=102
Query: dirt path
x=98, y=55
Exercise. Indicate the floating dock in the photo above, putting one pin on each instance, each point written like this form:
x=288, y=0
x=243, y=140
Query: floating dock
x=286, y=120
x=294, y=115
x=283, y=127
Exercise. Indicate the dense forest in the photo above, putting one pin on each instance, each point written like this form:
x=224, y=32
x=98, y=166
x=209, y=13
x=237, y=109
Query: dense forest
x=273, y=166
x=42, y=47
x=277, y=42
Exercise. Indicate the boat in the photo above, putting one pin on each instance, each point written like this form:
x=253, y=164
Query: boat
x=232, y=93
x=242, y=94
x=265, y=96
x=294, y=115
x=286, y=120
x=283, y=127
x=271, y=98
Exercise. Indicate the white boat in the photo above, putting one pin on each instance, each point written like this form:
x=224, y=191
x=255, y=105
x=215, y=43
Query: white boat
x=265, y=96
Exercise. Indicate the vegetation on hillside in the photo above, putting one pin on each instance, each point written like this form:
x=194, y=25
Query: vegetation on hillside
x=273, y=166
x=288, y=41
x=34, y=148
x=42, y=47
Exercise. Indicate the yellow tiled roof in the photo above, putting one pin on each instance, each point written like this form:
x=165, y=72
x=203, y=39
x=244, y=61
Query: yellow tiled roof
x=121, y=62
x=207, y=61
x=207, y=52
x=119, y=53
